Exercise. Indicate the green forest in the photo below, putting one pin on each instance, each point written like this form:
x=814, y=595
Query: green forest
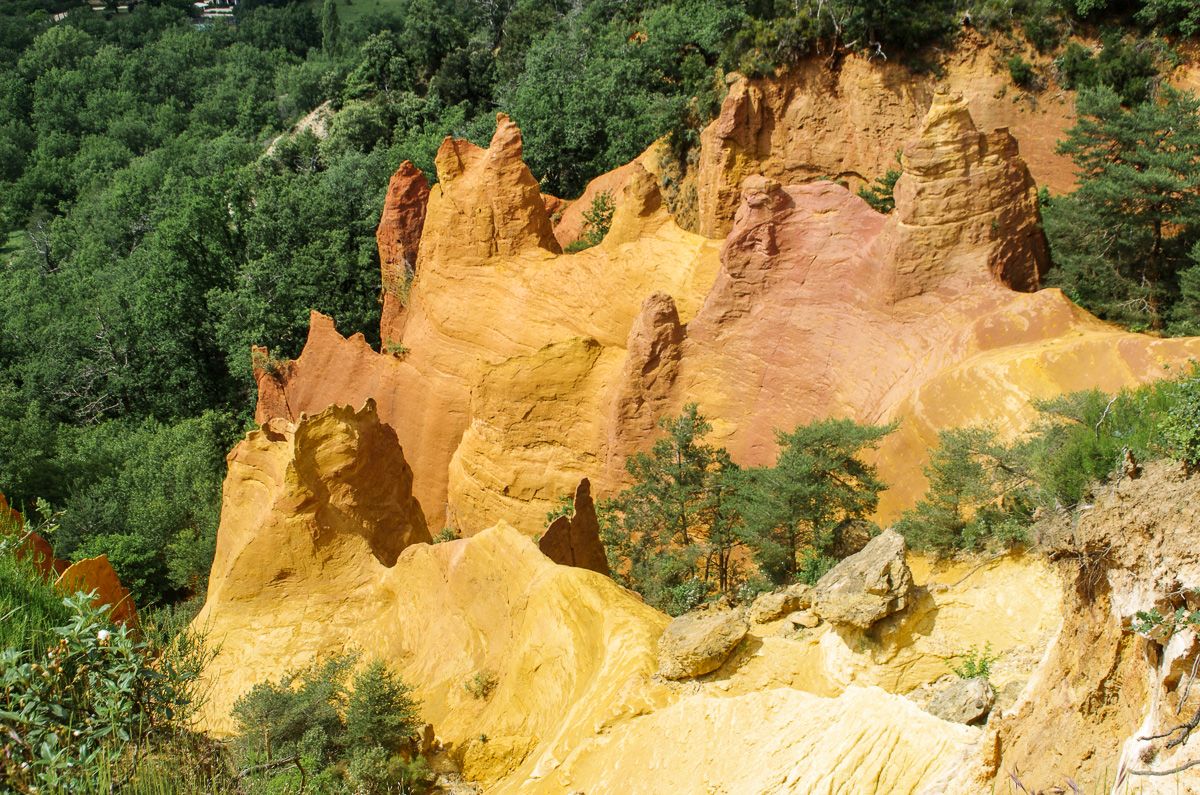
x=155, y=224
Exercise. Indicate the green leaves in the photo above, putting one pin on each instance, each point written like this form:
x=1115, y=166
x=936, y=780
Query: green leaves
x=1122, y=238
x=680, y=530
x=73, y=708
x=819, y=482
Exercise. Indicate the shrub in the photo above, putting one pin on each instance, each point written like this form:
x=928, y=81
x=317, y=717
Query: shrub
x=1180, y=426
x=975, y=664
x=1127, y=66
x=564, y=507
x=597, y=221
x=446, y=534
x=1022, y=73
x=397, y=349
x=91, y=702
x=346, y=734
x=481, y=685
x=880, y=194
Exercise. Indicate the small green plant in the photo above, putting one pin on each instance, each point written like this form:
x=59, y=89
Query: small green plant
x=975, y=664
x=880, y=194
x=1022, y=73
x=597, y=221
x=92, y=701
x=564, y=507
x=1180, y=427
x=481, y=685
x=394, y=348
x=446, y=534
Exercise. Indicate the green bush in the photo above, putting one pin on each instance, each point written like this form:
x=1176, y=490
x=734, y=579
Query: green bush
x=982, y=492
x=1022, y=72
x=345, y=733
x=975, y=663
x=597, y=220
x=880, y=194
x=1180, y=426
x=91, y=702
x=1128, y=66
x=481, y=685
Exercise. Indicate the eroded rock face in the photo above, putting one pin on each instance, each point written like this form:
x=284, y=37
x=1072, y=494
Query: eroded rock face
x=964, y=701
x=488, y=203
x=868, y=586
x=575, y=540
x=698, y=642
x=1102, y=689
x=399, y=238
x=527, y=370
x=305, y=501
x=788, y=128
x=966, y=213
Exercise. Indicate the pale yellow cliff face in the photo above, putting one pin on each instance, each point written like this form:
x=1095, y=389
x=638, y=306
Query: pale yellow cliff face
x=322, y=550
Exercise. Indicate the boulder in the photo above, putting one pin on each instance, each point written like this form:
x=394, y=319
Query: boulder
x=868, y=586
x=964, y=701
x=773, y=605
x=96, y=576
x=698, y=643
x=804, y=619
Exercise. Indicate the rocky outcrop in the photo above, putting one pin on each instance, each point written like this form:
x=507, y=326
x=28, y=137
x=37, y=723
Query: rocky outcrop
x=486, y=202
x=868, y=586
x=527, y=371
x=643, y=390
x=847, y=124
x=575, y=540
x=569, y=649
x=698, y=642
x=964, y=701
x=966, y=210
x=398, y=238
x=776, y=604
x=1103, y=690
x=305, y=501
x=96, y=576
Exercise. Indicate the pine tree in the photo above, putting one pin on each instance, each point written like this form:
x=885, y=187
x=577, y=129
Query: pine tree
x=672, y=534
x=793, y=509
x=1137, y=209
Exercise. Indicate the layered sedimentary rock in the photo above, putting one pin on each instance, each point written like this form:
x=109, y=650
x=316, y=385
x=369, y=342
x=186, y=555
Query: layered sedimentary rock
x=528, y=370
x=1102, y=693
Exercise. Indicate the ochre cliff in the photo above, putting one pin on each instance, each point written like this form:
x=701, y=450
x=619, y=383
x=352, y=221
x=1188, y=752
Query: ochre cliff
x=576, y=705
x=527, y=370
x=399, y=237
x=847, y=123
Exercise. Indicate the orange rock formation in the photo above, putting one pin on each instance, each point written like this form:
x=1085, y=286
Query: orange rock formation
x=399, y=237
x=96, y=574
x=528, y=370
x=848, y=123
x=575, y=540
